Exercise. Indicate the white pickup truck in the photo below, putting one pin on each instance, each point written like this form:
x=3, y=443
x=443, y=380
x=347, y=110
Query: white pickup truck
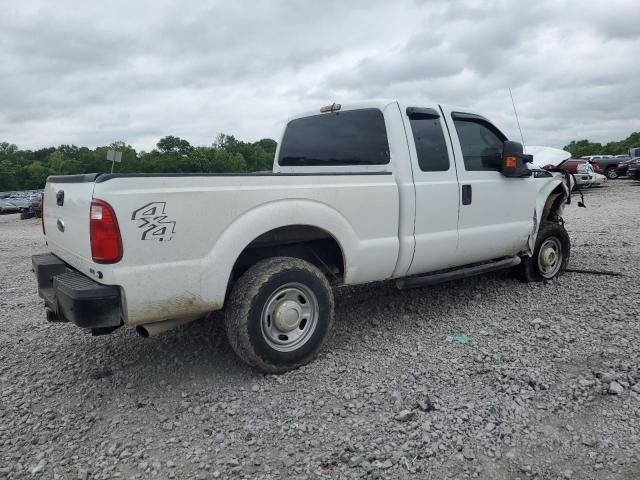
x=372, y=191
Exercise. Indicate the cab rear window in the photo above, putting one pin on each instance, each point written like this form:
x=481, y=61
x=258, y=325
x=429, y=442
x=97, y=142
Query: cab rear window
x=353, y=137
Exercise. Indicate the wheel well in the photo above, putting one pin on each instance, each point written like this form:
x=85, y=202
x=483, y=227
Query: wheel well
x=305, y=242
x=553, y=205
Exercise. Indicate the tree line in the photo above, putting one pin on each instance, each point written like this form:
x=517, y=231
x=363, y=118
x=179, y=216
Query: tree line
x=582, y=148
x=29, y=169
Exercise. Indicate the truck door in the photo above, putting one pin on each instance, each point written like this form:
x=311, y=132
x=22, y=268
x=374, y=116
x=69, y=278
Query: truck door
x=496, y=213
x=436, y=190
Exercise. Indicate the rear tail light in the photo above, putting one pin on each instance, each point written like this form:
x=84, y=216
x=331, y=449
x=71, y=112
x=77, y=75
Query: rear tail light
x=106, y=243
x=44, y=231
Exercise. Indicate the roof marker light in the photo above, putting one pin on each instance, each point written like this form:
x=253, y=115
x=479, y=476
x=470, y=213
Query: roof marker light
x=334, y=107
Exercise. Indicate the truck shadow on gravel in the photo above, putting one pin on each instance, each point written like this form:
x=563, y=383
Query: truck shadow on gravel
x=436, y=308
x=196, y=353
x=199, y=352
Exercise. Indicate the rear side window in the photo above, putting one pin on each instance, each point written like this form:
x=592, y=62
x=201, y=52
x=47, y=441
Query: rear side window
x=479, y=142
x=430, y=144
x=353, y=137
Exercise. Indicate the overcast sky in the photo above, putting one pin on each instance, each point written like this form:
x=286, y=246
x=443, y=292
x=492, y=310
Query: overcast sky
x=90, y=73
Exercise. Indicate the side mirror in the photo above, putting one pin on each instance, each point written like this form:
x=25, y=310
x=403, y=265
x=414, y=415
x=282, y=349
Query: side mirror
x=514, y=160
x=491, y=158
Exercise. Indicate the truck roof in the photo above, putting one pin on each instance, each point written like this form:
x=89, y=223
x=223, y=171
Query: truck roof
x=380, y=103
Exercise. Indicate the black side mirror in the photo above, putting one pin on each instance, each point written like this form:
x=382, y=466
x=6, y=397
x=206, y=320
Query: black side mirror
x=491, y=158
x=514, y=160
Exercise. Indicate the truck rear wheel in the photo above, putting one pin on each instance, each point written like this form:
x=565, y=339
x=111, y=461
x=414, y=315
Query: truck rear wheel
x=550, y=257
x=279, y=314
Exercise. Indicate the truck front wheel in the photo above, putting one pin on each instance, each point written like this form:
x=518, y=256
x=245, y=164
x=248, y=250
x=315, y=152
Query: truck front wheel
x=550, y=257
x=279, y=313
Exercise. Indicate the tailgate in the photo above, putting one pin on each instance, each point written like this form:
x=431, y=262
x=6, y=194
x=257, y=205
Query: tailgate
x=67, y=200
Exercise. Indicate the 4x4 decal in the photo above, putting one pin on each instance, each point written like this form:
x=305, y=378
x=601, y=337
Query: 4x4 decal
x=154, y=223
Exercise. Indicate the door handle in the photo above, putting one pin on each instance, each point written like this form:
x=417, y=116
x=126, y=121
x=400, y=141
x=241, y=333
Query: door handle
x=466, y=194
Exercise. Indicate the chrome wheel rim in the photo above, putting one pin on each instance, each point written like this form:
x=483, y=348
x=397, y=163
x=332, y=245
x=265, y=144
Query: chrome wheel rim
x=550, y=257
x=290, y=317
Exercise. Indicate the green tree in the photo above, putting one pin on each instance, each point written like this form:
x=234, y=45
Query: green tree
x=7, y=149
x=258, y=155
x=36, y=176
x=582, y=148
x=9, y=175
x=171, y=144
x=27, y=169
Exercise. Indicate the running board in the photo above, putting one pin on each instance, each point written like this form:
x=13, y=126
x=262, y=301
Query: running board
x=435, y=278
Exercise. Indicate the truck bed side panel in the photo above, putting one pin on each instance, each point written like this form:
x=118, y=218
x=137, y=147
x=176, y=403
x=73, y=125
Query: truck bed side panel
x=182, y=235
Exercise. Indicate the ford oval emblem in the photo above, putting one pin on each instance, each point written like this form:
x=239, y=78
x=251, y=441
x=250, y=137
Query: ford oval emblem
x=60, y=224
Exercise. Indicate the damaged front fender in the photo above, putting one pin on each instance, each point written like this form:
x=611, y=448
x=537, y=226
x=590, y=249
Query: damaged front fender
x=552, y=195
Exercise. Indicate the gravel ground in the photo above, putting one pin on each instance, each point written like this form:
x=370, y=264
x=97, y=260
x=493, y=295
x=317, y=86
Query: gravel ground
x=545, y=387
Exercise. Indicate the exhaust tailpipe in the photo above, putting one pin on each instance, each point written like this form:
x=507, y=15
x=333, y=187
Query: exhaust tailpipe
x=154, y=329
x=53, y=317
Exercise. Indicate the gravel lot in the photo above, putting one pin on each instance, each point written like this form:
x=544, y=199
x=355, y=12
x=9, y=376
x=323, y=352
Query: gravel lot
x=545, y=387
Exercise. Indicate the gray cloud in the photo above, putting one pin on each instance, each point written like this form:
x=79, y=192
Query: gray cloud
x=90, y=74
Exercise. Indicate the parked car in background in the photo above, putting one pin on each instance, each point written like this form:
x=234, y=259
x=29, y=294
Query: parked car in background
x=594, y=160
x=582, y=171
x=607, y=164
x=19, y=201
x=34, y=209
x=634, y=152
x=598, y=179
x=633, y=171
x=7, y=207
x=623, y=166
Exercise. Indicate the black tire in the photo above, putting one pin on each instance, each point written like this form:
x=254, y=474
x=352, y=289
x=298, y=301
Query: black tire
x=611, y=173
x=255, y=294
x=553, y=234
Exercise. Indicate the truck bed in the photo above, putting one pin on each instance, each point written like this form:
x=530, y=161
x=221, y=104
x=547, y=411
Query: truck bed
x=181, y=233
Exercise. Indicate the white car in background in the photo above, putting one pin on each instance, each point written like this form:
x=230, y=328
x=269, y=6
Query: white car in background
x=594, y=179
x=585, y=177
x=599, y=179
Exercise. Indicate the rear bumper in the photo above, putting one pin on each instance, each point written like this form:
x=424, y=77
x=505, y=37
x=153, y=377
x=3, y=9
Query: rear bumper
x=74, y=297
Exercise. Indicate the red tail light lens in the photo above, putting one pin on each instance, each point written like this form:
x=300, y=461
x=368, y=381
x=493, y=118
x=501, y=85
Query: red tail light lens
x=106, y=244
x=44, y=231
